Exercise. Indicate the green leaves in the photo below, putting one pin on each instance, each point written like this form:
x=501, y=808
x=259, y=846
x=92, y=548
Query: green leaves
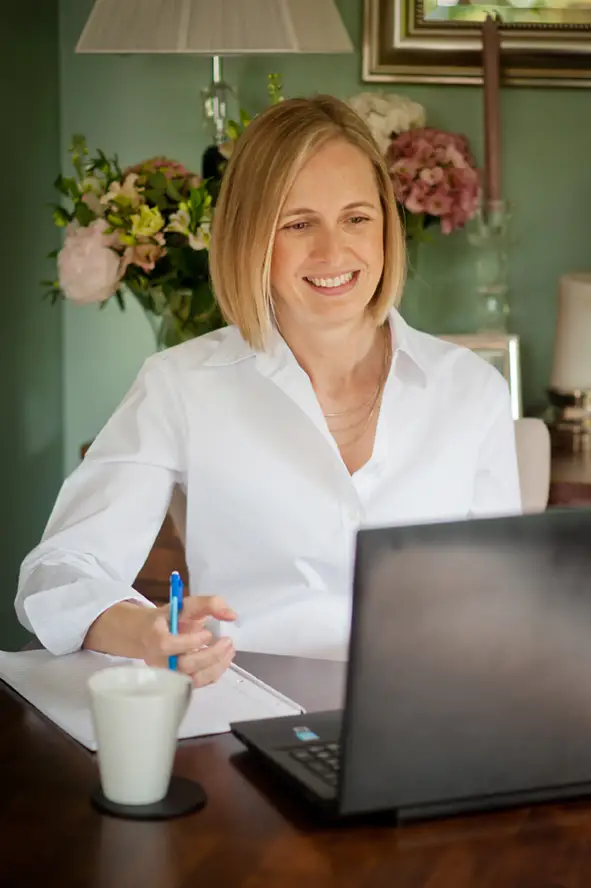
x=275, y=88
x=78, y=151
x=233, y=129
x=83, y=214
x=67, y=186
x=61, y=217
x=173, y=192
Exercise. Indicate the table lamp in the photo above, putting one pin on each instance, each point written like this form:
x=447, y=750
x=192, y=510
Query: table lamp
x=570, y=382
x=215, y=28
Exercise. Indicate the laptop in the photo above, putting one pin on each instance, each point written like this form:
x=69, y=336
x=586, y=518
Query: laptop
x=468, y=679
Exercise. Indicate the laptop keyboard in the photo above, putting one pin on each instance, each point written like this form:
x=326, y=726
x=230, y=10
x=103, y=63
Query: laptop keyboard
x=323, y=759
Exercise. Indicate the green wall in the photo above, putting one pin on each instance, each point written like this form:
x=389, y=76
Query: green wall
x=31, y=443
x=140, y=106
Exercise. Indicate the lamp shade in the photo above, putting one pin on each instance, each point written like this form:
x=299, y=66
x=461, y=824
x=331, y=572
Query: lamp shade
x=214, y=27
x=572, y=346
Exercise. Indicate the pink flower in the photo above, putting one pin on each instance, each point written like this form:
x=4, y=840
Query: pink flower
x=433, y=172
x=431, y=176
x=145, y=256
x=439, y=202
x=93, y=202
x=419, y=194
x=172, y=169
x=89, y=270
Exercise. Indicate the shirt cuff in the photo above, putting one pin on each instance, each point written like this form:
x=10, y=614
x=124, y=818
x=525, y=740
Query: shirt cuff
x=60, y=617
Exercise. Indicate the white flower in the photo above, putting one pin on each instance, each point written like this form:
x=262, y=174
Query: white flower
x=179, y=221
x=89, y=270
x=91, y=184
x=201, y=240
x=128, y=194
x=387, y=113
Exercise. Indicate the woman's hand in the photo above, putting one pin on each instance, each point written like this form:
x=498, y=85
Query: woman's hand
x=196, y=655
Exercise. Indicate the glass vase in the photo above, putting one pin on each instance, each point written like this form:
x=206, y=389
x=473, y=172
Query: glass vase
x=182, y=314
x=488, y=235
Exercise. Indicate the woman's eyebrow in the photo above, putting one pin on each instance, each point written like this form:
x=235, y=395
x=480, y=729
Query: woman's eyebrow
x=297, y=211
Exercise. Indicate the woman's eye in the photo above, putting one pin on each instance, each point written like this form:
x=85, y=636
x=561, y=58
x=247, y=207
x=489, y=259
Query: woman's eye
x=297, y=226
x=358, y=219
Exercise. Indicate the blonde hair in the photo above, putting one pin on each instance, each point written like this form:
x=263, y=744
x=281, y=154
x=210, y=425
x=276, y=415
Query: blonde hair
x=260, y=173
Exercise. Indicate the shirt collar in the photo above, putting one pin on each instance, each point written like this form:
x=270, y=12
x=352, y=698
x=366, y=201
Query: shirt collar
x=230, y=348
x=406, y=343
x=408, y=347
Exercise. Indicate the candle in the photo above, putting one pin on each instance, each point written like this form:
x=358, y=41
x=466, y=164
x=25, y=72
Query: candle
x=491, y=45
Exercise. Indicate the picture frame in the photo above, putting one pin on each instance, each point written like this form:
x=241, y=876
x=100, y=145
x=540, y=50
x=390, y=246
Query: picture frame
x=502, y=351
x=543, y=42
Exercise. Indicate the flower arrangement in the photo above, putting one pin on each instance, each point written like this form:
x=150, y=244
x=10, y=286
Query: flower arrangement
x=433, y=172
x=435, y=178
x=145, y=229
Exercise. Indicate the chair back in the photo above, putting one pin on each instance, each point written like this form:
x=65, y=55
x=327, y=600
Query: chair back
x=532, y=440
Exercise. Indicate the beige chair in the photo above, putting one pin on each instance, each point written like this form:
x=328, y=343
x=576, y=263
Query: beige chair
x=532, y=440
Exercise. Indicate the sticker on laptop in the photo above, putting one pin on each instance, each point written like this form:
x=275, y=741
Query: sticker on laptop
x=305, y=734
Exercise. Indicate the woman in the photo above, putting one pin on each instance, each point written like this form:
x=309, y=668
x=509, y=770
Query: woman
x=316, y=410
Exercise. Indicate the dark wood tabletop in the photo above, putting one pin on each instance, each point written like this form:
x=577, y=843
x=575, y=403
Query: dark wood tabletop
x=253, y=832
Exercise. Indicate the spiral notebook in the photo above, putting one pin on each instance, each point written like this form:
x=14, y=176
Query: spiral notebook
x=57, y=687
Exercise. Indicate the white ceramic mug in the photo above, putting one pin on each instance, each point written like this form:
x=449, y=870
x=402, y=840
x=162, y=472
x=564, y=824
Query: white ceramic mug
x=136, y=712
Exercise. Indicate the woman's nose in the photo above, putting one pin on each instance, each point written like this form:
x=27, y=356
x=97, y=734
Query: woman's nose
x=328, y=248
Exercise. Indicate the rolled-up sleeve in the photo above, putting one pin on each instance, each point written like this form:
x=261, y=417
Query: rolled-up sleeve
x=107, y=515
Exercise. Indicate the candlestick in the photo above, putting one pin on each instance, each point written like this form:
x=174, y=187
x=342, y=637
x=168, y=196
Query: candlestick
x=491, y=45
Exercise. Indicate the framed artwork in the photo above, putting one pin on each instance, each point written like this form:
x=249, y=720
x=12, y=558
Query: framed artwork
x=544, y=42
x=502, y=351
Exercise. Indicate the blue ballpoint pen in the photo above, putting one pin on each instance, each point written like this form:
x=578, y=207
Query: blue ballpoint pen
x=176, y=606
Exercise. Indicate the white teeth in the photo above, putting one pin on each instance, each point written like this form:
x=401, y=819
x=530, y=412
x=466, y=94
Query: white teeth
x=332, y=282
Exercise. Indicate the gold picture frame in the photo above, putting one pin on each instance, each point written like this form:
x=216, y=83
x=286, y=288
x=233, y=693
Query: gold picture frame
x=502, y=351
x=544, y=42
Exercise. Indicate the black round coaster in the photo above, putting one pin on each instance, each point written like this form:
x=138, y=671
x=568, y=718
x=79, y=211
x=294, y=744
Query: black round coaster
x=183, y=797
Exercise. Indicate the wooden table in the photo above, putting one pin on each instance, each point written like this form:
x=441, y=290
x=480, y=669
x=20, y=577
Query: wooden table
x=571, y=479
x=253, y=834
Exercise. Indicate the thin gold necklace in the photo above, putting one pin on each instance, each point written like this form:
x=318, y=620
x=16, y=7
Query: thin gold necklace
x=344, y=445
x=374, y=395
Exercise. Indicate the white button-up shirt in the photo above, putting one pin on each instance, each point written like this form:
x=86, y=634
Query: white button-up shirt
x=272, y=510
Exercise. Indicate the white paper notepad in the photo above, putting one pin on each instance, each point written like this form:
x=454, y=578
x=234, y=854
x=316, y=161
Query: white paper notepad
x=57, y=687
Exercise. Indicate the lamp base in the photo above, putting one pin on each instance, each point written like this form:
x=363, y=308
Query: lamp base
x=570, y=420
x=212, y=163
x=212, y=169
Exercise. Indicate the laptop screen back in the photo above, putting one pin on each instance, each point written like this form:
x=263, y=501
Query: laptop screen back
x=470, y=661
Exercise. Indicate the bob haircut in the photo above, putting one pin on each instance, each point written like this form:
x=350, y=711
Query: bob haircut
x=267, y=158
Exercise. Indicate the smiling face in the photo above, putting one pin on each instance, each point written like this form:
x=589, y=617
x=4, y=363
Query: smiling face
x=328, y=252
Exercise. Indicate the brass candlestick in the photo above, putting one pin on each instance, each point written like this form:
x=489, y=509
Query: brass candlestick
x=569, y=420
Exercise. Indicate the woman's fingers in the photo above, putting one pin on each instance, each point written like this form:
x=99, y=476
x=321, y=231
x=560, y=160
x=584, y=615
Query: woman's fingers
x=199, y=607
x=196, y=656
x=168, y=644
x=207, y=665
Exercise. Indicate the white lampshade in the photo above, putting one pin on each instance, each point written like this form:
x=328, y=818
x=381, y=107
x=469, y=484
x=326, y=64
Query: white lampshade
x=572, y=344
x=214, y=27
